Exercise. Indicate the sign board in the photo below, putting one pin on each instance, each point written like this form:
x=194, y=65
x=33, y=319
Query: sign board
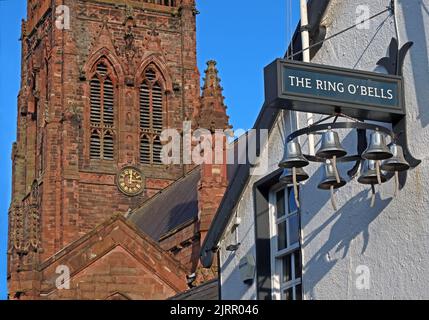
x=323, y=89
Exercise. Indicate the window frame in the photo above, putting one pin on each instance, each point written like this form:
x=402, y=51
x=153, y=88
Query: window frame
x=103, y=128
x=277, y=286
x=153, y=134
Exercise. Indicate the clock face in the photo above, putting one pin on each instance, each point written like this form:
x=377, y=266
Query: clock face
x=130, y=181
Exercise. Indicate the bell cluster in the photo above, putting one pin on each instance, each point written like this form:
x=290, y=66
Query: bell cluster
x=379, y=159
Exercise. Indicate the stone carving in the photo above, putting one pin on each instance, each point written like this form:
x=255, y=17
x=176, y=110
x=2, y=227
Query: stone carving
x=33, y=215
x=129, y=51
x=17, y=229
x=25, y=222
x=72, y=114
x=153, y=41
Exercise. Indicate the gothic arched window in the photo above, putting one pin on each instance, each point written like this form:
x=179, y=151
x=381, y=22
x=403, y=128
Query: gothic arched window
x=170, y=3
x=102, y=113
x=151, y=116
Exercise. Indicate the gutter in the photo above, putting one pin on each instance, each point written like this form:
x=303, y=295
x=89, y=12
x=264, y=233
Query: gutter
x=265, y=120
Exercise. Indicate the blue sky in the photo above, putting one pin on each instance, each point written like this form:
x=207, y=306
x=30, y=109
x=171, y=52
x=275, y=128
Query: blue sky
x=242, y=36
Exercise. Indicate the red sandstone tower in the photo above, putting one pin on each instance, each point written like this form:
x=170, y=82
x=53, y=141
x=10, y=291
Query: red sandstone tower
x=90, y=191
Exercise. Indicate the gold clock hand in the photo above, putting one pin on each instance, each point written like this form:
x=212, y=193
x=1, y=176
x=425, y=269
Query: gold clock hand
x=130, y=179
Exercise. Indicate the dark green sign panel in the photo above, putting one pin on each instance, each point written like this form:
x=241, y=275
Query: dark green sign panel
x=328, y=90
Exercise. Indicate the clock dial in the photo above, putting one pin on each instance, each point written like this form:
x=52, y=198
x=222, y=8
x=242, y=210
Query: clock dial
x=130, y=181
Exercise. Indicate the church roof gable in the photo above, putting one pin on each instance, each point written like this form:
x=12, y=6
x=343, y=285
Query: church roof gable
x=113, y=235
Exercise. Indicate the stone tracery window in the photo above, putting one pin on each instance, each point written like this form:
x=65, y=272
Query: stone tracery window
x=170, y=3
x=151, y=116
x=102, y=113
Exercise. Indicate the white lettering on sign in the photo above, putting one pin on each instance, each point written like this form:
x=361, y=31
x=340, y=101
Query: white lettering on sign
x=300, y=82
x=340, y=87
x=352, y=89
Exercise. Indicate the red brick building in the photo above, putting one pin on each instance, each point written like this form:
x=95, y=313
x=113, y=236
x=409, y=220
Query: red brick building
x=90, y=191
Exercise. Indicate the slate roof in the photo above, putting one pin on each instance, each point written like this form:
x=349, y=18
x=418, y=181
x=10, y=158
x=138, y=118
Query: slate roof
x=176, y=205
x=170, y=208
x=206, y=291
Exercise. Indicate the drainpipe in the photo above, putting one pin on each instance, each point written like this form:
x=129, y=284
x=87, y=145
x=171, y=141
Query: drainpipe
x=305, y=36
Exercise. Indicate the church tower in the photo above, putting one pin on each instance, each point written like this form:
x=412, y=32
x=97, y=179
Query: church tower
x=100, y=81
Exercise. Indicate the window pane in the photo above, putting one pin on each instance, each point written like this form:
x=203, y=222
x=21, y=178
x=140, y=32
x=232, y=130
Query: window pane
x=108, y=111
x=298, y=268
x=157, y=103
x=280, y=203
x=287, y=268
x=95, y=148
x=145, y=150
x=281, y=239
x=288, y=294
x=293, y=229
x=95, y=101
x=108, y=147
x=298, y=292
x=157, y=151
x=144, y=106
x=292, y=203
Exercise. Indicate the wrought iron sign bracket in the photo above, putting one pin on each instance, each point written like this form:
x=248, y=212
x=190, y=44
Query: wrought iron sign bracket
x=356, y=96
x=394, y=64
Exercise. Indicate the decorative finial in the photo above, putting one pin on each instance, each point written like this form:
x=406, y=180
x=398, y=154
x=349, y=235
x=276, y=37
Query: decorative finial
x=395, y=61
x=212, y=78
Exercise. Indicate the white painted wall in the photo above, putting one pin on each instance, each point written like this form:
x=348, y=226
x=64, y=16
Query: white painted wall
x=392, y=239
x=231, y=284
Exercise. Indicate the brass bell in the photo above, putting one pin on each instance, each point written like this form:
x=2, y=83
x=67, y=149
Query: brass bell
x=377, y=149
x=331, y=146
x=397, y=163
x=330, y=179
x=293, y=156
x=287, y=176
x=370, y=174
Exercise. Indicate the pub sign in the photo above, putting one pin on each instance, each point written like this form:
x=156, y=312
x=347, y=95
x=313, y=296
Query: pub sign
x=324, y=89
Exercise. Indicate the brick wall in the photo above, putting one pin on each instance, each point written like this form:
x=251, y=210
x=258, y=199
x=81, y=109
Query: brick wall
x=52, y=143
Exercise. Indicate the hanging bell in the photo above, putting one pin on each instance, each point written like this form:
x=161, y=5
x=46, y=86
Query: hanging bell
x=287, y=176
x=331, y=146
x=397, y=163
x=330, y=179
x=293, y=156
x=377, y=149
x=370, y=174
